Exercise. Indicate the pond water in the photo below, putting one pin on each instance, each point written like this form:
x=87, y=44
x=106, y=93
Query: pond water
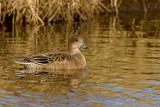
x=123, y=62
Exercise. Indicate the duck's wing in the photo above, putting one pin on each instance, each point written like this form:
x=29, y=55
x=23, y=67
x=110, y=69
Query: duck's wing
x=46, y=58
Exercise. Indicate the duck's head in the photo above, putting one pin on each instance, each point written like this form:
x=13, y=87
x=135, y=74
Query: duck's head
x=76, y=42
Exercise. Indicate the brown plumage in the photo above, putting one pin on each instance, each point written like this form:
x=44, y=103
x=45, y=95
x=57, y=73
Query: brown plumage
x=58, y=60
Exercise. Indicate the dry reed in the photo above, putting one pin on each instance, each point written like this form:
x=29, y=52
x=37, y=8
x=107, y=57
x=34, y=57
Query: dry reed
x=46, y=11
x=41, y=11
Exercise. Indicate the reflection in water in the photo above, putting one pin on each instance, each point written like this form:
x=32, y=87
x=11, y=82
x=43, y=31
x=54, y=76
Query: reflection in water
x=25, y=86
x=123, y=61
x=70, y=78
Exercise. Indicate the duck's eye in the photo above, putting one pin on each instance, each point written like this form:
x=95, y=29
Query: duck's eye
x=76, y=40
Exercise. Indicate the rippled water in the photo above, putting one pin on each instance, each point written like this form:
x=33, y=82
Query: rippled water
x=123, y=64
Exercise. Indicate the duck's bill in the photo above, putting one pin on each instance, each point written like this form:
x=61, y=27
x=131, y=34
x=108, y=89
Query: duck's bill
x=84, y=46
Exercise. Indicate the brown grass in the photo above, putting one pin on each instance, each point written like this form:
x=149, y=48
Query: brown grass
x=45, y=11
x=41, y=11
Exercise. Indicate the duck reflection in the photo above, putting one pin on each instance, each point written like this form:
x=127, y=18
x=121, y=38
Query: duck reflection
x=56, y=79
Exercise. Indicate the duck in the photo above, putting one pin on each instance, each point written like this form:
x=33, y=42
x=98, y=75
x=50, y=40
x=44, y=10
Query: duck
x=74, y=59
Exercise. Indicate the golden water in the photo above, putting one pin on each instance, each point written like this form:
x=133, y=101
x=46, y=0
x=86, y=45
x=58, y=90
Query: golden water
x=123, y=64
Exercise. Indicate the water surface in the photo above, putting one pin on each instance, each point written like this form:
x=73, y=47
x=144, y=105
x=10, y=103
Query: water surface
x=123, y=64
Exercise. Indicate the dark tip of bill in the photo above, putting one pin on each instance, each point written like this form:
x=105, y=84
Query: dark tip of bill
x=86, y=48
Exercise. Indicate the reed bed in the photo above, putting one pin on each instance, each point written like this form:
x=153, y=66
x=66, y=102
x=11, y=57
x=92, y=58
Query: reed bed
x=46, y=11
x=42, y=11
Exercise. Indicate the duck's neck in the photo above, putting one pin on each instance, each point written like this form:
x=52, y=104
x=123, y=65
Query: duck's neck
x=78, y=55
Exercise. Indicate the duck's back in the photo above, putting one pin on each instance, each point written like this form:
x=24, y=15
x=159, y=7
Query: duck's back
x=50, y=60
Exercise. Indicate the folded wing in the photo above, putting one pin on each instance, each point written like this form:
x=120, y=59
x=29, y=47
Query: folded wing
x=45, y=58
